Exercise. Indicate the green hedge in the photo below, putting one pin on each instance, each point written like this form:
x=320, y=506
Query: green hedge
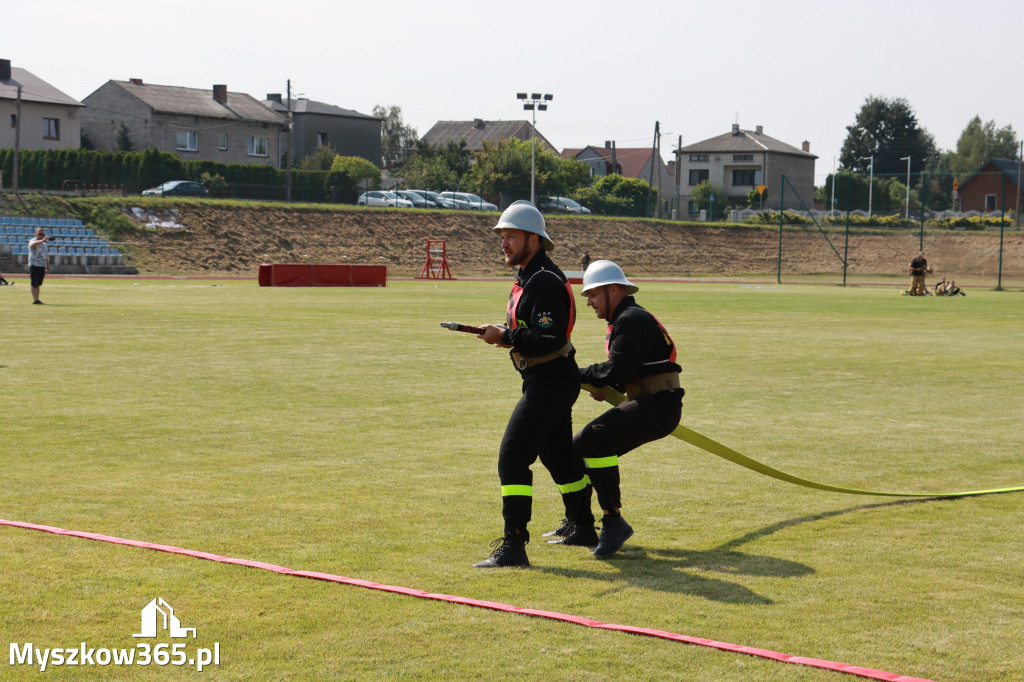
x=873, y=221
x=132, y=172
x=970, y=223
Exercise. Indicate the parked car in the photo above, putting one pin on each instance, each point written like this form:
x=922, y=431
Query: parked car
x=382, y=198
x=177, y=188
x=438, y=200
x=561, y=205
x=472, y=202
x=417, y=199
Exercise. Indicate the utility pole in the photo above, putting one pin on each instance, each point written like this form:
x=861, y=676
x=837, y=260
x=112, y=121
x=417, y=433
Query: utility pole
x=17, y=143
x=1020, y=157
x=288, y=173
x=679, y=170
x=654, y=150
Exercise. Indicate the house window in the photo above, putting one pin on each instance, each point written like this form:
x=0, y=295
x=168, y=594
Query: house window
x=742, y=157
x=321, y=140
x=699, y=157
x=187, y=141
x=51, y=129
x=990, y=202
x=14, y=120
x=745, y=177
x=259, y=146
x=222, y=141
x=699, y=175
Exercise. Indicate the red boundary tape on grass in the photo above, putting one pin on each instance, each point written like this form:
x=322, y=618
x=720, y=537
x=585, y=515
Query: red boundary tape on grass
x=495, y=606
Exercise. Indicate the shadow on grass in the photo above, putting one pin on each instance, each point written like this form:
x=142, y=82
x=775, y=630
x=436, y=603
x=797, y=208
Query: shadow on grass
x=669, y=570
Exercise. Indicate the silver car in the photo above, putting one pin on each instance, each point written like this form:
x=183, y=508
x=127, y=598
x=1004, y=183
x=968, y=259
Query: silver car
x=417, y=199
x=435, y=198
x=382, y=198
x=561, y=205
x=468, y=201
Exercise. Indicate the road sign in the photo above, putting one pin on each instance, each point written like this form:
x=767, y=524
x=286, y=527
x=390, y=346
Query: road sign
x=956, y=185
x=761, y=189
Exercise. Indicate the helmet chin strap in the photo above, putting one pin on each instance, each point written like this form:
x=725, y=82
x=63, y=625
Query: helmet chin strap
x=607, y=304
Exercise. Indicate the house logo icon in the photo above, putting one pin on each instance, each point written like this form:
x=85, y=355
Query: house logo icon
x=151, y=621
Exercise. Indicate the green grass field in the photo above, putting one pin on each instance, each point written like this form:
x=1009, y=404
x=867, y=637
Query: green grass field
x=342, y=431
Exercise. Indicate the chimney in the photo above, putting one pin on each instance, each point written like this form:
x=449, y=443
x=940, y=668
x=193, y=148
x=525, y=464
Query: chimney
x=275, y=97
x=806, y=146
x=759, y=130
x=220, y=93
x=607, y=144
x=136, y=81
x=735, y=128
x=5, y=69
x=478, y=124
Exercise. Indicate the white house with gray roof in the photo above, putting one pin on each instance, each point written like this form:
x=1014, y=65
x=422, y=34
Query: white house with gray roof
x=741, y=160
x=49, y=118
x=195, y=124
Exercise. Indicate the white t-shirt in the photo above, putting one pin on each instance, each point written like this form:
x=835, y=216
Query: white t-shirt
x=39, y=255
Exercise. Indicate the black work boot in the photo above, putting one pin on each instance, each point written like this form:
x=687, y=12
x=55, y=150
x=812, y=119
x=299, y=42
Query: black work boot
x=563, y=529
x=506, y=551
x=614, y=533
x=580, y=535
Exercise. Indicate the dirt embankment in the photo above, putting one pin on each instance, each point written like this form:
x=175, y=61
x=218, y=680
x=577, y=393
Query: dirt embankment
x=227, y=240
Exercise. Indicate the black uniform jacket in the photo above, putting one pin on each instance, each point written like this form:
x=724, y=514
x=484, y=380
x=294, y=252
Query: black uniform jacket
x=546, y=312
x=638, y=347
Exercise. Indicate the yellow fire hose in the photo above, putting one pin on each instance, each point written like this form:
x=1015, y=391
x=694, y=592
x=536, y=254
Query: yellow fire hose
x=704, y=443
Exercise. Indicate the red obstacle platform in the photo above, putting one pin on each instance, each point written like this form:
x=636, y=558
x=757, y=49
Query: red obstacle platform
x=307, y=275
x=436, y=265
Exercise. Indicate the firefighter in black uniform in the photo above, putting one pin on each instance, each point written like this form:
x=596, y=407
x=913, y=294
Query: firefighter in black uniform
x=539, y=320
x=642, y=364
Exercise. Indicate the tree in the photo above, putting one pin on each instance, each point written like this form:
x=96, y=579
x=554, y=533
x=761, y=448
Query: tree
x=355, y=169
x=898, y=195
x=397, y=139
x=887, y=130
x=505, y=166
x=756, y=199
x=617, y=195
x=438, y=168
x=319, y=160
x=702, y=194
x=124, y=140
x=980, y=142
x=349, y=173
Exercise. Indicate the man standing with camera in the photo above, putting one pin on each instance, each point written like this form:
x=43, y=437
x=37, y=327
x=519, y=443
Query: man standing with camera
x=918, y=268
x=38, y=262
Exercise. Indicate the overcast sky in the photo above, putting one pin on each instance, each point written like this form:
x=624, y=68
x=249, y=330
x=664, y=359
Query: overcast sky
x=800, y=68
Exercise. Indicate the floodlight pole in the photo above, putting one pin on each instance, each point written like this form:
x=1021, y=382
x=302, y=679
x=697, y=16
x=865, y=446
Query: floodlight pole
x=907, y=159
x=532, y=103
x=871, y=180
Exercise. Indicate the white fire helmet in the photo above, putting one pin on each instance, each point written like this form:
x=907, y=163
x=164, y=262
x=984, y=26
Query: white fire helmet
x=522, y=215
x=602, y=272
